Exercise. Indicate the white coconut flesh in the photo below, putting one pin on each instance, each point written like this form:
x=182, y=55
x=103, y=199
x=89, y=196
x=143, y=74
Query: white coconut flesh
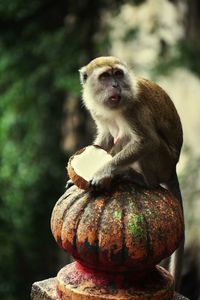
x=87, y=163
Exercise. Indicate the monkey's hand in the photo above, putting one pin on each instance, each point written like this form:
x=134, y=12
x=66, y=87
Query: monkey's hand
x=101, y=178
x=69, y=184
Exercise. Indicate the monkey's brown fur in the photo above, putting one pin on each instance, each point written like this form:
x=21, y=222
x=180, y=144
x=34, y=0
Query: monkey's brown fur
x=155, y=115
x=152, y=116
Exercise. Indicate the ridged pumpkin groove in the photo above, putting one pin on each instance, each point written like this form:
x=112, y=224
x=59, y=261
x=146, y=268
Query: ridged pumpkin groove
x=128, y=227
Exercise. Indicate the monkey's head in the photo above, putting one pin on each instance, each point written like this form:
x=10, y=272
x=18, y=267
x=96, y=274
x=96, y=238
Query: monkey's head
x=107, y=83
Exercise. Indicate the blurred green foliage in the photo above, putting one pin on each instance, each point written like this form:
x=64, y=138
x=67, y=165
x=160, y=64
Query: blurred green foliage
x=35, y=75
x=42, y=45
x=32, y=165
x=185, y=54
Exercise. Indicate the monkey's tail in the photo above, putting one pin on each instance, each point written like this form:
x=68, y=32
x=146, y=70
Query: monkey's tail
x=177, y=258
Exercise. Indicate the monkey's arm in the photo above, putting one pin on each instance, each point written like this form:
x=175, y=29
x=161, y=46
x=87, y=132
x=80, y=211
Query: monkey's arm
x=129, y=154
x=104, y=139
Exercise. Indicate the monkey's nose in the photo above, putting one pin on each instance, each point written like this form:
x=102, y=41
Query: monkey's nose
x=115, y=84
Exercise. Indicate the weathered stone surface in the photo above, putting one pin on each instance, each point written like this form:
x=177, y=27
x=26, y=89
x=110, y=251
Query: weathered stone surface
x=75, y=280
x=46, y=290
x=125, y=228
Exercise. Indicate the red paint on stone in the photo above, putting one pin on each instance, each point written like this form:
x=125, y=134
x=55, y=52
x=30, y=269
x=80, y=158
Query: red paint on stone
x=155, y=284
x=100, y=278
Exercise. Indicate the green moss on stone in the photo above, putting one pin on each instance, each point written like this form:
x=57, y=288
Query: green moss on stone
x=117, y=215
x=135, y=226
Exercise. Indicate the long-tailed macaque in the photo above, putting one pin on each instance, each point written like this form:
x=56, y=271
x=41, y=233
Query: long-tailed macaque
x=138, y=123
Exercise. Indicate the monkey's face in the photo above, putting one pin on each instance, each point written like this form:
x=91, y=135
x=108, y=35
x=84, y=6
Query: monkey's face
x=107, y=86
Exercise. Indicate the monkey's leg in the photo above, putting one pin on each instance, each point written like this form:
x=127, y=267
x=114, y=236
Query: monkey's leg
x=133, y=176
x=173, y=186
x=165, y=263
x=105, y=141
x=176, y=263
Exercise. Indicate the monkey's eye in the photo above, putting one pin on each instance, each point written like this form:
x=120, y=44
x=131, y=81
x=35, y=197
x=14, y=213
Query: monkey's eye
x=104, y=75
x=119, y=73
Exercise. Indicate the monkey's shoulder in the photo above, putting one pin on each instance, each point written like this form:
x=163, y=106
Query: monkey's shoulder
x=152, y=91
x=152, y=95
x=158, y=106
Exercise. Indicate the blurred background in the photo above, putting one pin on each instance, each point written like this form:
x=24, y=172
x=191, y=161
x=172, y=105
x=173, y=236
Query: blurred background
x=42, y=121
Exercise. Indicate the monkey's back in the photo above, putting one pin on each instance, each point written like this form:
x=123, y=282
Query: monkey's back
x=164, y=114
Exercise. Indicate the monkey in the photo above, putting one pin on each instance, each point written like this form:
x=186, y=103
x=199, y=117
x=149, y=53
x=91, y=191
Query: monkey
x=138, y=124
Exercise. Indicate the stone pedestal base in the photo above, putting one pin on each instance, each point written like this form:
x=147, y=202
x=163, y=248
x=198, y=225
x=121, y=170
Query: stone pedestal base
x=46, y=290
x=75, y=282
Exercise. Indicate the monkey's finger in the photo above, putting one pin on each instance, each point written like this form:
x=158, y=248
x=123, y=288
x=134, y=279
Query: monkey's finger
x=93, y=189
x=69, y=184
x=95, y=184
x=91, y=185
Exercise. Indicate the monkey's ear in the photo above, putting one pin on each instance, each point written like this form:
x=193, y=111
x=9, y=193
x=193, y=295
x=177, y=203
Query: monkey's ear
x=83, y=75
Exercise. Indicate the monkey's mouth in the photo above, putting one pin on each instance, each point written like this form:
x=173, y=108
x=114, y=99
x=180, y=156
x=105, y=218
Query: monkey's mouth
x=113, y=100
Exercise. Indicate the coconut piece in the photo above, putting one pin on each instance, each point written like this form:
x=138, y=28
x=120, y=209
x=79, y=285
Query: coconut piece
x=85, y=163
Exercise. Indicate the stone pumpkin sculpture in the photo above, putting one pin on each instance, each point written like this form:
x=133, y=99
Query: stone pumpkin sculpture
x=114, y=235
